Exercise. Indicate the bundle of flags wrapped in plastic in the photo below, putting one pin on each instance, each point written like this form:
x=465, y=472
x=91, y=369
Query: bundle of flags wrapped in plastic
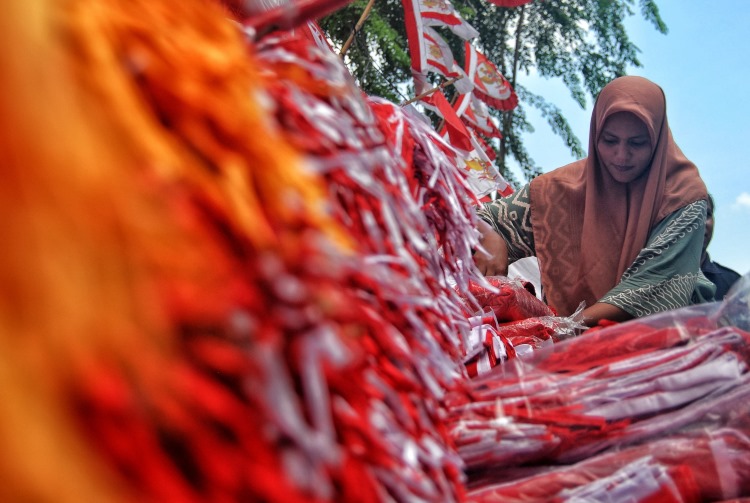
x=231, y=276
x=507, y=321
x=649, y=410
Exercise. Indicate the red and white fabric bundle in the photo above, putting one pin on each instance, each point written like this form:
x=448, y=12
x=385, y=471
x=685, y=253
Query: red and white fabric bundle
x=393, y=185
x=507, y=321
x=606, y=414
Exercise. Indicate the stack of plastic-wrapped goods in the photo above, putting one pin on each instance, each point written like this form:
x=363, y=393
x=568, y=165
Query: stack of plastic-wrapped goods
x=656, y=409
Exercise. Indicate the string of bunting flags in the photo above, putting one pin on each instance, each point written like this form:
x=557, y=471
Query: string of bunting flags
x=479, y=83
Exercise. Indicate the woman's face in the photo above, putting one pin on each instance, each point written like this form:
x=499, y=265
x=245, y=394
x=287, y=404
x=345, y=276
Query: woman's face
x=624, y=147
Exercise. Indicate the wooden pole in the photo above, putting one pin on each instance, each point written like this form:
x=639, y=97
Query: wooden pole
x=357, y=27
x=430, y=91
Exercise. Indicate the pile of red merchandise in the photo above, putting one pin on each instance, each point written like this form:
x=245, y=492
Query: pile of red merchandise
x=507, y=321
x=394, y=187
x=639, y=410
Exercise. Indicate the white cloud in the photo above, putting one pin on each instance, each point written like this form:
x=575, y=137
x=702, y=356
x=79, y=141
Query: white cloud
x=742, y=201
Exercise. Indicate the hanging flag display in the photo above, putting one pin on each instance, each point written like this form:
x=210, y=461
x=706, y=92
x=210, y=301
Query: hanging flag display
x=438, y=55
x=442, y=13
x=475, y=114
x=431, y=53
x=489, y=84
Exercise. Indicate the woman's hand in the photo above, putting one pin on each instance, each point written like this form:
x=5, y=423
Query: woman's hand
x=495, y=261
x=602, y=311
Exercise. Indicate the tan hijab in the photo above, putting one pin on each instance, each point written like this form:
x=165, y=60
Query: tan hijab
x=589, y=228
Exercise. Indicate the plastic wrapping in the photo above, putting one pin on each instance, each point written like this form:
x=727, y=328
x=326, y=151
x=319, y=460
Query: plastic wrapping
x=509, y=322
x=605, y=415
x=507, y=299
x=697, y=466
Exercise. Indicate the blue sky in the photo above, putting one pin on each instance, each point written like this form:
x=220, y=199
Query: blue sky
x=703, y=65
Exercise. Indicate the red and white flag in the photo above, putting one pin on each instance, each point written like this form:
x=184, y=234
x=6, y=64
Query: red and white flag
x=483, y=175
x=475, y=114
x=438, y=55
x=458, y=135
x=489, y=84
x=430, y=52
x=442, y=13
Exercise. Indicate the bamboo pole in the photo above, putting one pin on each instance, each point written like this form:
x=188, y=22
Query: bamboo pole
x=357, y=27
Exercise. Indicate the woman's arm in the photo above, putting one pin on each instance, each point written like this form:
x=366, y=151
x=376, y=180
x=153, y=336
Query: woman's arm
x=505, y=225
x=602, y=311
x=666, y=274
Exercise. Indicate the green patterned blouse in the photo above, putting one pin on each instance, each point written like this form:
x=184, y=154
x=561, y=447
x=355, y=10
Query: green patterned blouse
x=665, y=274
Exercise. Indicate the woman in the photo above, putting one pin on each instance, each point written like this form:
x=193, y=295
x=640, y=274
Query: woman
x=621, y=229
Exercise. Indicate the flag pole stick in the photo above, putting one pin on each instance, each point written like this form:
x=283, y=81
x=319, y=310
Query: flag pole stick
x=429, y=91
x=357, y=27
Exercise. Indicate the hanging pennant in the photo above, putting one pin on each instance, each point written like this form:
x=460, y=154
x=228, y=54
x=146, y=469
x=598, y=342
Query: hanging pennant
x=489, y=84
x=459, y=136
x=438, y=55
x=442, y=13
x=476, y=115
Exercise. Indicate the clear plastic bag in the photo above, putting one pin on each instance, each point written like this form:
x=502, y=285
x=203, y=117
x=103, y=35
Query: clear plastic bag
x=583, y=419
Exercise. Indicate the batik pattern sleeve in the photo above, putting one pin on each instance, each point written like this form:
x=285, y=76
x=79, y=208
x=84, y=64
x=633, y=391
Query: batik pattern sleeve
x=511, y=218
x=666, y=274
